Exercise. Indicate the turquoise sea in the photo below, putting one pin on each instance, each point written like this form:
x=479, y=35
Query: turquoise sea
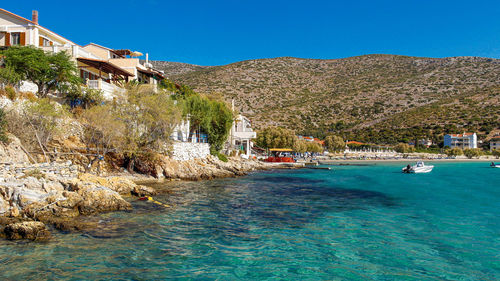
x=349, y=223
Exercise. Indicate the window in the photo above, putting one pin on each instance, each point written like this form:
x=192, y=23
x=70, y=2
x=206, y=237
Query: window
x=15, y=38
x=45, y=42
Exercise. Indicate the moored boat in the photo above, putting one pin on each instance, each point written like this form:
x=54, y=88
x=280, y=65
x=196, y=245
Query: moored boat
x=493, y=165
x=418, y=168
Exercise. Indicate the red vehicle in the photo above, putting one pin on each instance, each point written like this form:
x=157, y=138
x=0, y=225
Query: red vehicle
x=281, y=155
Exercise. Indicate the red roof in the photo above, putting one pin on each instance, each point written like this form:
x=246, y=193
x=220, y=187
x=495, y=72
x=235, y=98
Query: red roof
x=32, y=22
x=495, y=137
x=354, y=142
x=16, y=16
x=462, y=135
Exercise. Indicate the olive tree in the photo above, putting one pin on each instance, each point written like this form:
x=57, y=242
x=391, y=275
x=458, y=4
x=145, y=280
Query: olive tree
x=103, y=131
x=275, y=137
x=49, y=71
x=472, y=152
x=454, y=152
x=334, y=143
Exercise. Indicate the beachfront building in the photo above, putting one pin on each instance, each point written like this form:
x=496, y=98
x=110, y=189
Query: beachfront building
x=100, y=68
x=129, y=61
x=242, y=134
x=495, y=143
x=311, y=139
x=465, y=140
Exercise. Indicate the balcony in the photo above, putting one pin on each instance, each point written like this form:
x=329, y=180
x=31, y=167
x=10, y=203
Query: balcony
x=245, y=135
x=109, y=91
x=72, y=50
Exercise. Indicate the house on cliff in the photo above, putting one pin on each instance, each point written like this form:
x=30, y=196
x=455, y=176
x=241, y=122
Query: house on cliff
x=100, y=68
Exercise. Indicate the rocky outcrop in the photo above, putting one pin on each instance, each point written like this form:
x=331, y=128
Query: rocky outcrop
x=208, y=168
x=12, y=152
x=32, y=230
x=56, y=194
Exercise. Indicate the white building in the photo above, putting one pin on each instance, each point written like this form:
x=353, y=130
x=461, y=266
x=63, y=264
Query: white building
x=465, y=140
x=242, y=134
x=100, y=68
x=495, y=143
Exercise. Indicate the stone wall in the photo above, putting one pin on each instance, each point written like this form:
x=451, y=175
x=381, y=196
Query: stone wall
x=189, y=151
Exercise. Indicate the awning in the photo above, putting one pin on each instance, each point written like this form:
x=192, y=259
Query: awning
x=281, y=149
x=105, y=66
x=150, y=72
x=122, y=52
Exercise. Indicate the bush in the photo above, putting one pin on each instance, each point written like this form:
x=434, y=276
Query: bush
x=3, y=127
x=11, y=93
x=454, y=152
x=496, y=153
x=472, y=152
x=222, y=157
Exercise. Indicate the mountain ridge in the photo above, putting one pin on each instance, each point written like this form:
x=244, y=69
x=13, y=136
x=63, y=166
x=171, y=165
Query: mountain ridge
x=356, y=92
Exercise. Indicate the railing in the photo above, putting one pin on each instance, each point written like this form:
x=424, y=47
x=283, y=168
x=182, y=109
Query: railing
x=93, y=84
x=245, y=135
x=72, y=50
x=109, y=91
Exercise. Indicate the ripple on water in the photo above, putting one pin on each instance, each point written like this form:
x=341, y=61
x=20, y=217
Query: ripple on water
x=352, y=223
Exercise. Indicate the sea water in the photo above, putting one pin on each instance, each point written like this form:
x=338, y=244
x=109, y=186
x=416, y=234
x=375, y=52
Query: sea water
x=348, y=223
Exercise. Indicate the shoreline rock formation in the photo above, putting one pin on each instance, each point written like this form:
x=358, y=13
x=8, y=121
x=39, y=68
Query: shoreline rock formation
x=60, y=194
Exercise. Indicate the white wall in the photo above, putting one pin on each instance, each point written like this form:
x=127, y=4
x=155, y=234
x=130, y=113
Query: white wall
x=188, y=151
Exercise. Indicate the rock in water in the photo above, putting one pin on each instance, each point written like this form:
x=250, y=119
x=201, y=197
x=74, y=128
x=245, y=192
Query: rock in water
x=97, y=199
x=32, y=230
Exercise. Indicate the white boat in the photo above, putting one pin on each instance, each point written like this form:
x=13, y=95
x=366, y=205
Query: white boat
x=418, y=168
x=493, y=165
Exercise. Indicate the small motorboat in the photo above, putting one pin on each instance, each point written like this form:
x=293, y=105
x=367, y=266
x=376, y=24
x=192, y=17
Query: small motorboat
x=493, y=165
x=418, y=168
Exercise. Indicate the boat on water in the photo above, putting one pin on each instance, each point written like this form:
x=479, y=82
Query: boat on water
x=418, y=168
x=493, y=165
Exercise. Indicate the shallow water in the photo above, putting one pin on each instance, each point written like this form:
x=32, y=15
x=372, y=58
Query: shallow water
x=348, y=223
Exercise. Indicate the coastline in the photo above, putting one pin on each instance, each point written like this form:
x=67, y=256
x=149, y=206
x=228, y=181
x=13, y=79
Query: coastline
x=35, y=199
x=337, y=161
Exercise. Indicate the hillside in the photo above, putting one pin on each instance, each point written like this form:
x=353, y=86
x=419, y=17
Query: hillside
x=175, y=68
x=358, y=94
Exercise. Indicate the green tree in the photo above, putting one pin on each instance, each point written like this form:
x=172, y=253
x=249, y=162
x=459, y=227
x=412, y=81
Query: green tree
x=496, y=153
x=275, y=137
x=453, y=152
x=314, y=147
x=404, y=148
x=208, y=115
x=334, y=143
x=472, y=152
x=300, y=146
x=49, y=71
x=9, y=77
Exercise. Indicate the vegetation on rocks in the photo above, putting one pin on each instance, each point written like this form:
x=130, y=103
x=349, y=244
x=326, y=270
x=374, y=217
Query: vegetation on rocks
x=3, y=127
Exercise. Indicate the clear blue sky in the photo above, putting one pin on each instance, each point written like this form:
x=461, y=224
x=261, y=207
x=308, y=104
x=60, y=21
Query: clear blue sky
x=211, y=32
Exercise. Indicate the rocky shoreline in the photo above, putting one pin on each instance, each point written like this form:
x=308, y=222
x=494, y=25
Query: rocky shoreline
x=35, y=198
